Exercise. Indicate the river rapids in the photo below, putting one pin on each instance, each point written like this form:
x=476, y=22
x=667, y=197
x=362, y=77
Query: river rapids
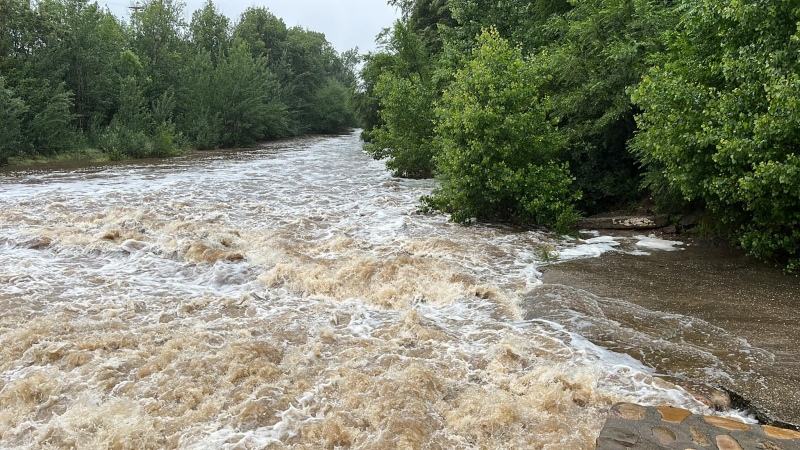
x=289, y=296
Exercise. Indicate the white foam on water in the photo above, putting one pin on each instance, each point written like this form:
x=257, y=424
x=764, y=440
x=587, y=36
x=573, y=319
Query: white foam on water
x=587, y=248
x=598, y=245
x=654, y=243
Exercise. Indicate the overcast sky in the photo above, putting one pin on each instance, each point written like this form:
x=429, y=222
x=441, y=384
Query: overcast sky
x=346, y=23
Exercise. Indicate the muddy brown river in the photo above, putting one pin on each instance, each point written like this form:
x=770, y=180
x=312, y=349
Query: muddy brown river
x=291, y=296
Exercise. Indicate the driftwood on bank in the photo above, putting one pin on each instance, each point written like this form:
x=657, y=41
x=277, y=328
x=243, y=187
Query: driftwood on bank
x=624, y=222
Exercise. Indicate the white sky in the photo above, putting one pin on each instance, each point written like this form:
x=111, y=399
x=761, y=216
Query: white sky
x=346, y=23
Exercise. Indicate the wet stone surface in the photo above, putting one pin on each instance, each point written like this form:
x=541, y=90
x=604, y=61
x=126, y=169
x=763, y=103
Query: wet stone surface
x=707, y=315
x=638, y=427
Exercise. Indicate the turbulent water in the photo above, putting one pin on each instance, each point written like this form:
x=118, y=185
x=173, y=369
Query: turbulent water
x=289, y=296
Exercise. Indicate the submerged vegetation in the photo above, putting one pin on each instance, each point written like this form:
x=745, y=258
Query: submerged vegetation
x=73, y=76
x=531, y=111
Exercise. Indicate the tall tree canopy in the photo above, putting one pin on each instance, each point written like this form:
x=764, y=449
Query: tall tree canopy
x=692, y=103
x=721, y=120
x=72, y=75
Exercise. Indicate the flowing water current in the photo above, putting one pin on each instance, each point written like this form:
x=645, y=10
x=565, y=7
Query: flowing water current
x=289, y=296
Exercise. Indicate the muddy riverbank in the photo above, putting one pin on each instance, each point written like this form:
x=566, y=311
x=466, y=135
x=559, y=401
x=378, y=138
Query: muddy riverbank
x=701, y=314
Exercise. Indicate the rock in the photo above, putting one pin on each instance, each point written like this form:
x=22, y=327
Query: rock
x=728, y=424
x=698, y=438
x=636, y=427
x=628, y=411
x=40, y=243
x=664, y=435
x=673, y=415
x=672, y=229
x=689, y=220
x=721, y=400
x=619, y=435
x=767, y=445
x=605, y=443
x=780, y=433
x=704, y=400
x=725, y=442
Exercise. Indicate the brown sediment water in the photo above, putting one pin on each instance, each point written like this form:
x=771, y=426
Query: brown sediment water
x=285, y=296
x=710, y=314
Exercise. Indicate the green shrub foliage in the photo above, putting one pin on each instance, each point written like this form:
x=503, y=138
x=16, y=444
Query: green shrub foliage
x=402, y=85
x=602, y=49
x=497, y=144
x=695, y=103
x=405, y=137
x=588, y=54
x=721, y=120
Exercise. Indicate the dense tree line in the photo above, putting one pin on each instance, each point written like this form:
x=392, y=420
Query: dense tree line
x=72, y=75
x=532, y=111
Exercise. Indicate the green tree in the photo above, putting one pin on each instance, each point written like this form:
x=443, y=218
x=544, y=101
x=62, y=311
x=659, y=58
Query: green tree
x=11, y=110
x=87, y=50
x=309, y=57
x=132, y=109
x=406, y=134
x=498, y=147
x=419, y=58
x=267, y=36
x=603, y=48
x=426, y=18
x=521, y=21
x=70, y=70
x=130, y=132
x=16, y=19
x=405, y=93
x=365, y=103
x=34, y=70
x=247, y=98
x=721, y=121
x=408, y=52
x=200, y=120
x=264, y=33
x=47, y=123
x=158, y=37
x=331, y=112
x=209, y=30
x=309, y=70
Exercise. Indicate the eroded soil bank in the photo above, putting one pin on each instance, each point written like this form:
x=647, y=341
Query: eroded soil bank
x=737, y=301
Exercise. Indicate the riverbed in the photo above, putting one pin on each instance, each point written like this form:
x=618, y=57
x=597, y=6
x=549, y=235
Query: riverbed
x=703, y=313
x=290, y=295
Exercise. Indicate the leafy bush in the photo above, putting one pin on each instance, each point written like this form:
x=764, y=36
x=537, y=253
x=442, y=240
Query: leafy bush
x=721, y=121
x=497, y=146
x=121, y=142
x=163, y=142
x=603, y=48
x=406, y=135
x=403, y=86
